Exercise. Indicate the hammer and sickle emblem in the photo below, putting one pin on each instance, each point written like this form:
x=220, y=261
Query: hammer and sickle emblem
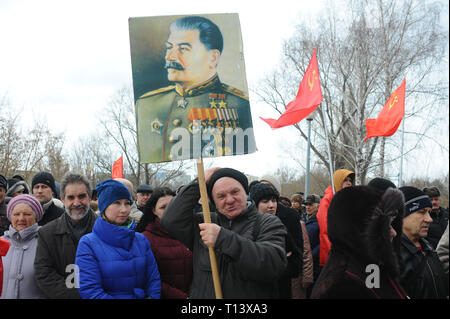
x=392, y=102
x=311, y=83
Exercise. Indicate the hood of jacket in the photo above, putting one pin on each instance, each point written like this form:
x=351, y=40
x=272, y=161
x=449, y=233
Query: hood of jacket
x=339, y=176
x=359, y=220
x=114, y=235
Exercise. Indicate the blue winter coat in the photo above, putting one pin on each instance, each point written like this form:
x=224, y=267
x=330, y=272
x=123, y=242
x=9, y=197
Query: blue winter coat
x=116, y=262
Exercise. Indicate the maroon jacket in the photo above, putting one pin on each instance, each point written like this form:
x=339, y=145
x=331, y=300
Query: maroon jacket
x=174, y=261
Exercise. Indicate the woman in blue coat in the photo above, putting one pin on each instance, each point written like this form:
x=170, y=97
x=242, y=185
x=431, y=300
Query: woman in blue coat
x=114, y=261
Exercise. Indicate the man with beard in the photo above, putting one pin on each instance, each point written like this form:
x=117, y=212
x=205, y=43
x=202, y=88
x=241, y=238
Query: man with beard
x=58, y=240
x=44, y=189
x=438, y=214
x=198, y=101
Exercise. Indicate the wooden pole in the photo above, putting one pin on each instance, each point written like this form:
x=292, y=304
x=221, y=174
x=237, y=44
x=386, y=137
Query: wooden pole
x=207, y=218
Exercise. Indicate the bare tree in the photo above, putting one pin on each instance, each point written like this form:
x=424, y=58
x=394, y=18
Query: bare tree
x=117, y=136
x=363, y=56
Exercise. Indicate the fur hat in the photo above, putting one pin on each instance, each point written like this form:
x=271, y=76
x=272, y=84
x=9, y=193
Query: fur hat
x=44, y=178
x=432, y=191
x=227, y=172
x=359, y=220
x=25, y=199
x=261, y=191
x=110, y=191
x=381, y=184
x=415, y=200
x=144, y=188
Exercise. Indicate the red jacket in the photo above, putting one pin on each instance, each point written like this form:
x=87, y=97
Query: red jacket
x=174, y=261
x=338, y=178
x=321, y=216
x=4, y=247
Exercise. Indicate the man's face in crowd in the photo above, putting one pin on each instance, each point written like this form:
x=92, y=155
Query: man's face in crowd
x=435, y=202
x=76, y=200
x=416, y=225
x=2, y=194
x=188, y=62
x=229, y=196
x=142, y=198
x=43, y=193
x=311, y=208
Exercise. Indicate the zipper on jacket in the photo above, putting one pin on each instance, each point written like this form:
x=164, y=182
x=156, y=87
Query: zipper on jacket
x=434, y=282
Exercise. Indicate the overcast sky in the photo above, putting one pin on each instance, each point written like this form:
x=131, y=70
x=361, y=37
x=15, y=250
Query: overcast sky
x=63, y=60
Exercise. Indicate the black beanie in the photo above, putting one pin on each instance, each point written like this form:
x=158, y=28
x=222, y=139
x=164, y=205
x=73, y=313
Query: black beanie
x=227, y=172
x=44, y=178
x=3, y=182
x=415, y=199
x=261, y=191
x=381, y=184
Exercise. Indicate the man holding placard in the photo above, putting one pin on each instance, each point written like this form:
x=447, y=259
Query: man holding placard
x=250, y=246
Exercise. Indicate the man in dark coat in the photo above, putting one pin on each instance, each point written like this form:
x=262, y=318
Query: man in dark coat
x=249, y=246
x=54, y=264
x=44, y=189
x=363, y=228
x=423, y=276
x=438, y=214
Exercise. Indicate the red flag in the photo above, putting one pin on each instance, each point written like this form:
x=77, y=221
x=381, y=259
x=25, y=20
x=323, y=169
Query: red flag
x=390, y=117
x=308, y=98
x=117, y=169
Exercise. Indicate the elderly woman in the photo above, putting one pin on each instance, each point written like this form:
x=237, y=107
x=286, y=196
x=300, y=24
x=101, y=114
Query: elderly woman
x=114, y=261
x=24, y=212
x=173, y=258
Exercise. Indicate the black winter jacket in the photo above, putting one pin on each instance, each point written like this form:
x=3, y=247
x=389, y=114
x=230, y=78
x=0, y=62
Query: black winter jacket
x=56, y=250
x=423, y=276
x=247, y=268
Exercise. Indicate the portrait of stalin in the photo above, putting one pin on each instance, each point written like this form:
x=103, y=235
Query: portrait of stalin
x=197, y=101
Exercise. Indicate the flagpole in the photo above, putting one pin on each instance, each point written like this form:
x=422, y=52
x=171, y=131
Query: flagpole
x=400, y=177
x=328, y=147
x=309, y=119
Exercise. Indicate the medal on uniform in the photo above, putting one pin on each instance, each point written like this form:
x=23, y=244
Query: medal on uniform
x=157, y=126
x=182, y=103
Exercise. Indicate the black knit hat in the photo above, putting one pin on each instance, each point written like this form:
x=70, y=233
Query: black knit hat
x=415, y=199
x=261, y=191
x=3, y=182
x=227, y=172
x=432, y=191
x=44, y=178
x=381, y=184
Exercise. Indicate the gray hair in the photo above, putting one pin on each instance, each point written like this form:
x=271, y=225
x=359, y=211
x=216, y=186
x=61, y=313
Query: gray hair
x=73, y=178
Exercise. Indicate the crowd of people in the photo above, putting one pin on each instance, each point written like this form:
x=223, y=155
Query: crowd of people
x=68, y=241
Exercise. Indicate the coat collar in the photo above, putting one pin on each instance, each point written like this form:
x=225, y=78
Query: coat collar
x=114, y=235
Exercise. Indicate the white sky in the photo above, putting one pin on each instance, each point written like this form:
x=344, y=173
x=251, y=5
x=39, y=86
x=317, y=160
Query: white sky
x=63, y=60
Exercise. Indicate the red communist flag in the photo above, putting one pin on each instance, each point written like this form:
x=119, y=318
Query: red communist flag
x=308, y=98
x=117, y=169
x=390, y=117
